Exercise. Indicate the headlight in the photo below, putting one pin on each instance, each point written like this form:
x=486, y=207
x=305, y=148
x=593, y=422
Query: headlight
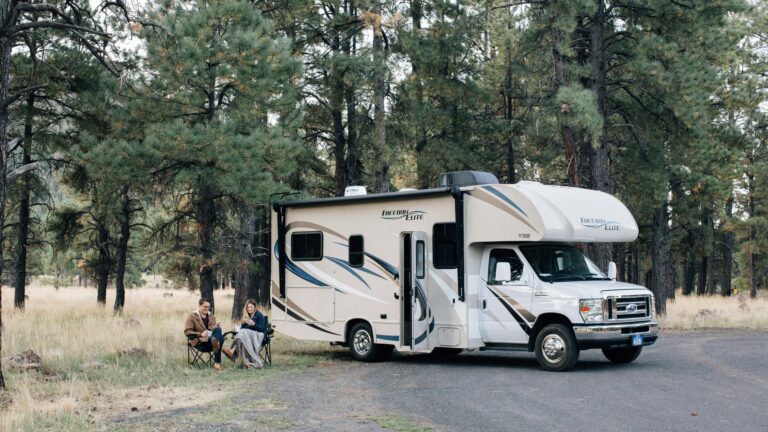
x=653, y=307
x=591, y=310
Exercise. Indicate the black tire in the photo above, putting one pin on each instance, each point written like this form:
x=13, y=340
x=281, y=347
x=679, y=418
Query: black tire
x=446, y=352
x=362, y=347
x=556, y=348
x=622, y=355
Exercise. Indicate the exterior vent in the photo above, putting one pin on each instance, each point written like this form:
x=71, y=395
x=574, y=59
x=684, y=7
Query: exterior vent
x=354, y=191
x=466, y=178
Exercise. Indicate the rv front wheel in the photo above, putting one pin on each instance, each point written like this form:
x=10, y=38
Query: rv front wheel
x=556, y=348
x=622, y=355
x=362, y=347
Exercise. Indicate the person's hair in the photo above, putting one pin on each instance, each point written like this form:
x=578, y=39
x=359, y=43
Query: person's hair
x=202, y=301
x=245, y=308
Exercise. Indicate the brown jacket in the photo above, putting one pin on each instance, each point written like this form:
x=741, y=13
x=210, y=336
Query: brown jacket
x=194, y=324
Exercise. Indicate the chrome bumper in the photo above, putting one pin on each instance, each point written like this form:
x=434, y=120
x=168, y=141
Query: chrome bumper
x=597, y=336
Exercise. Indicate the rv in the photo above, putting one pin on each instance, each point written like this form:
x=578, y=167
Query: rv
x=470, y=265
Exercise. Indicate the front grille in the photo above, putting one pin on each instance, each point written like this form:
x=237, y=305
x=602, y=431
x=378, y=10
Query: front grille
x=629, y=308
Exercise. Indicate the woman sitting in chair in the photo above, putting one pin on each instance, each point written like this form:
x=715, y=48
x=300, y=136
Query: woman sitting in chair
x=248, y=340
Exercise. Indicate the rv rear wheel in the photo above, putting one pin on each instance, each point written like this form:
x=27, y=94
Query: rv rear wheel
x=622, y=355
x=362, y=347
x=556, y=348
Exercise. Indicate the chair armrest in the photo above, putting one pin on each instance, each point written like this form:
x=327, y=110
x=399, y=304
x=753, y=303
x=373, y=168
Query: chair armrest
x=229, y=333
x=192, y=335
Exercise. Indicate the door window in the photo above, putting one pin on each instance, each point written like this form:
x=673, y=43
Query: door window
x=504, y=256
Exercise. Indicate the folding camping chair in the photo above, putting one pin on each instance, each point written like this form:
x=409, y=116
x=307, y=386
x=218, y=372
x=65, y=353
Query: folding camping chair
x=201, y=355
x=265, y=352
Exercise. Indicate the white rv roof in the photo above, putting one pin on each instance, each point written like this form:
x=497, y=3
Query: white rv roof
x=549, y=213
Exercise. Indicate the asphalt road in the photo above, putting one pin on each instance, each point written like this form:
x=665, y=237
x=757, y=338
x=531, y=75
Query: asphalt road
x=693, y=381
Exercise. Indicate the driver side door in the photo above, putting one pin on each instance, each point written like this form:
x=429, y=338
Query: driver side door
x=505, y=299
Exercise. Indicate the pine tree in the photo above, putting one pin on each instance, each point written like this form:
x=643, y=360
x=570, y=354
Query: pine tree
x=225, y=130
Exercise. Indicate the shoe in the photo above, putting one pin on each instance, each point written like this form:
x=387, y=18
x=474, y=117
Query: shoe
x=217, y=367
x=228, y=352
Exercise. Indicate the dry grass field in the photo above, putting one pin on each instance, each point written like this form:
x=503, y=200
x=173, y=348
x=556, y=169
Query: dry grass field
x=694, y=312
x=87, y=380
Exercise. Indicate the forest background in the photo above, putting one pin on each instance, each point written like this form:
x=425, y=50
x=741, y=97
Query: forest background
x=151, y=137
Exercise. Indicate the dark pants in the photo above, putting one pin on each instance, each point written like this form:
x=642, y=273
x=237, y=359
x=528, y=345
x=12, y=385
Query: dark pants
x=210, y=346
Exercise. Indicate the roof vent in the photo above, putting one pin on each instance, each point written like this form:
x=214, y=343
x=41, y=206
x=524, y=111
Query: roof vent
x=466, y=178
x=354, y=191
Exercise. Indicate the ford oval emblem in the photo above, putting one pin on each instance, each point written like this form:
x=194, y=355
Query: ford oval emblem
x=631, y=307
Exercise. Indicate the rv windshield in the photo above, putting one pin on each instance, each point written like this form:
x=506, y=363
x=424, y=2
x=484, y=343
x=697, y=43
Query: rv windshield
x=561, y=263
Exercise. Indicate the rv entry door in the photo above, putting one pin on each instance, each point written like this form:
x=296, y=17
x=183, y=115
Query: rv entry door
x=413, y=289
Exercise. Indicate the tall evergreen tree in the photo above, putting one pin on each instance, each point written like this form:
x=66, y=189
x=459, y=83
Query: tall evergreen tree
x=226, y=128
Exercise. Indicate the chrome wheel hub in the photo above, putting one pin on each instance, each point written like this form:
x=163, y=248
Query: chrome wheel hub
x=362, y=342
x=553, y=348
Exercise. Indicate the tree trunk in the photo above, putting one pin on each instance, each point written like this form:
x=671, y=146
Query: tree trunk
x=753, y=257
x=354, y=162
x=103, y=266
x=206, y=219
x=122, y=250
x=245, y=249
x=23, y=228
x=620, y=252
x=561, y=80
x=5, y=60
x=701, y=287
x=727, y=248
x=379, y=95
x=337, y=103
x=599, y=161
x=262, y=282
x=689, y=273
x=636, y=263
x=509, y=110
x=660, y=263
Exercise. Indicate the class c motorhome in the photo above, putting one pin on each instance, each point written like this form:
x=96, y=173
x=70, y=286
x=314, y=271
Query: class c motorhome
x=470, y=265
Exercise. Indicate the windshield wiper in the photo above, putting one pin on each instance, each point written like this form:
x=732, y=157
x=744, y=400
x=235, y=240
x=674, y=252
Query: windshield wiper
x=567, y=276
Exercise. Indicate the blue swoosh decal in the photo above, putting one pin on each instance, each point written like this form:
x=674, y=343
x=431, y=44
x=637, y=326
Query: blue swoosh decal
x=362, y=269
x=424, y=335
x=343, y=264
x=505, y=199
x=293, y=268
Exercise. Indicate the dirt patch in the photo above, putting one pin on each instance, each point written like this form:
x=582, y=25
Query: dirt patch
x=138, y=401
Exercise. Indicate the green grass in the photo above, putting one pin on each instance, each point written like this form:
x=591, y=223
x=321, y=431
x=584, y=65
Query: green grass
x=398, y=423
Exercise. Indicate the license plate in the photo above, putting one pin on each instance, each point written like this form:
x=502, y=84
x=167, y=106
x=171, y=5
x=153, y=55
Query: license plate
x=637, y=340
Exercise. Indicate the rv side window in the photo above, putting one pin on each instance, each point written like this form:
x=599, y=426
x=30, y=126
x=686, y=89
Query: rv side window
x=420, y=259
x=307, y=246
x=507, y=256
x=356, y=251
x=444, y=245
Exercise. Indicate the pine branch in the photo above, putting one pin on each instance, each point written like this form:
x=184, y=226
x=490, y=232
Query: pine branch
x=18, y=172
x=15, y=96
x=53, y=25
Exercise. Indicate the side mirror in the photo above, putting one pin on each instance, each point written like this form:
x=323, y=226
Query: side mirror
x=612, y=270
x=503, y=271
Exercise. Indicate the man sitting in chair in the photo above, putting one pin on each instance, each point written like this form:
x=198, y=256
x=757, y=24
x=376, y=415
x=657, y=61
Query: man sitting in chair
x=202, y=324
